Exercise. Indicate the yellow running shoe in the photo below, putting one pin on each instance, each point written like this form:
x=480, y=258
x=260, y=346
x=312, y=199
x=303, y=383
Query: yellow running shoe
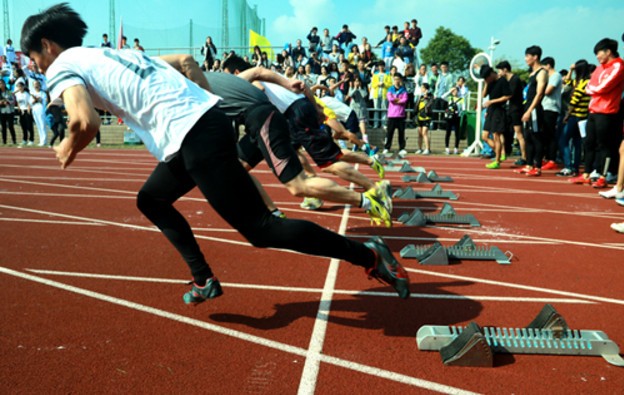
x=385, y=193
x=311, y=203
x=378, y=167
x=377, y=211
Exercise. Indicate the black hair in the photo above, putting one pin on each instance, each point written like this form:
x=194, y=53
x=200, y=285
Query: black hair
x=59, y=23
x=563, y=72
x=504, y=65
x=534, y=50
x=395, y=27
x=549, y=61
x=105, y=35
x=581, y=69
x=397, y=74
x=345, y=26
x=414, y=21
x=124, y=38
x=425, y=85
x=234, y=63
x=387, y=27
x=607, y=43
x=445, y=63
x=433, y=64
x=486, y=71
x=592, y=68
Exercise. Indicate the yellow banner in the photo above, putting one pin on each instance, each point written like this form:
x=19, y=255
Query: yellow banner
x=262, y=42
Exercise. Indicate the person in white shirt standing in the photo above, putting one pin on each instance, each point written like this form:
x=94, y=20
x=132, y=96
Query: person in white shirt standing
x=23, y=103
x=38, y=103
x=179, y=122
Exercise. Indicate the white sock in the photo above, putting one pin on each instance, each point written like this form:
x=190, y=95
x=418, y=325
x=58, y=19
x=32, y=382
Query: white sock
x=366, y=203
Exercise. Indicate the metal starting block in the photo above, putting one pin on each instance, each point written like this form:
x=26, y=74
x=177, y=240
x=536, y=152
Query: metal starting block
x=464, y=249
x=447, y=216
x=475, y=346
x=433, y=177
x=421, y=178
x=435, y=193
x=405, y=168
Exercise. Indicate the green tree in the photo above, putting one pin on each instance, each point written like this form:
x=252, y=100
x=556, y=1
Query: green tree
x=450, y=47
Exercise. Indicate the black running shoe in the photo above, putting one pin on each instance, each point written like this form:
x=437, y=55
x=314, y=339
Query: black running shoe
x=387, y=269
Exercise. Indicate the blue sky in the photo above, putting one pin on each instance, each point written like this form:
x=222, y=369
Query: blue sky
x=566, y=30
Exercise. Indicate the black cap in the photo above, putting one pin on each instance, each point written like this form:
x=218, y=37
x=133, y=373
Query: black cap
x=485, y=71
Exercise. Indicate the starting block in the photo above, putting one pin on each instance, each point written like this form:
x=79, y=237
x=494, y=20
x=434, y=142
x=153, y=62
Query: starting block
x=433, y=177
x=435, y=193
x=405, y=168
x=446, y=216
x=548, y=334
x=464, y=249
x=421, y=178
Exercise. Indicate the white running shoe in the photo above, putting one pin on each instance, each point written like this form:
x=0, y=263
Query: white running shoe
x=455, y=151
x=385, y=151
x=419, y=151
x=402, y=153
x=618, y=227
x=447, y=151
x=594, y=175
x=311, y=203
x=612, y=193
x=30, y=143
x=426, y=152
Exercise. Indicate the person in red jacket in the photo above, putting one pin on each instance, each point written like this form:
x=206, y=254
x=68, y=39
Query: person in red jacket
x=604, y=128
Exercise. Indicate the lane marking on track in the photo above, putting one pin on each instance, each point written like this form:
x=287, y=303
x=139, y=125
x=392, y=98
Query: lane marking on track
x=80, y=169
x=357, y=367
x=519, y=286
x=277, y=288
x=450, y=239
x=309, y=375
x=464, y=230
x=43, y=221
x=87, y=179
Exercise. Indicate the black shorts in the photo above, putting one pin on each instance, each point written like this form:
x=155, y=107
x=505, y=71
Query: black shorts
x=495, y=120
x=267, y=137
x=352, y=124
x=423, y=124
x=514, y=115
x=306, y=131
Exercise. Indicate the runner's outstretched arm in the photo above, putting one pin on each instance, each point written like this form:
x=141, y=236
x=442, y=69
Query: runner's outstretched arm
x=186, y=65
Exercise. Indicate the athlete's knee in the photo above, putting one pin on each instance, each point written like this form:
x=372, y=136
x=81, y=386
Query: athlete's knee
x=622, y=150
x=149, y=204
x=261, y=234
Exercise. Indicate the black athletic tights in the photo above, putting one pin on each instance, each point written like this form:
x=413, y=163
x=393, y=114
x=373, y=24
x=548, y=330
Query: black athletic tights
x=208, y=160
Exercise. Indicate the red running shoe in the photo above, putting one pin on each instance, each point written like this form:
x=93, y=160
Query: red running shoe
x=600, y=183
x=523, y=170
x=534, y=172
x=550, y=165
x=579, y=180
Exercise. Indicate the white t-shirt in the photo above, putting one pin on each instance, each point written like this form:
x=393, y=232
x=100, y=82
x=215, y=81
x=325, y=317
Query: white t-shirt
x=279, y=96
x=22, y=100
x=342, y=110
x=38, y=95
x=152, y=98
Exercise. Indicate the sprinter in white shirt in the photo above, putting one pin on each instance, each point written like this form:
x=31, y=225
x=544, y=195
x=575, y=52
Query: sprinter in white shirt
x=194, y=141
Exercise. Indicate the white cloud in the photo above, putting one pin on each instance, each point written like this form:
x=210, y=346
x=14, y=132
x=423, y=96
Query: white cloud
x=305, y=15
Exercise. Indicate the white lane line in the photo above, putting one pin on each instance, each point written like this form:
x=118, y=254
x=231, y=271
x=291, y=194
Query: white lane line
x=67, y=195
x=520, y=286
x=87, y=179
x=79, y=169
x=357, y=367
x=309, y=375
x=278, y=288
x=536, y=238
x=454, y=240
x=43, y=221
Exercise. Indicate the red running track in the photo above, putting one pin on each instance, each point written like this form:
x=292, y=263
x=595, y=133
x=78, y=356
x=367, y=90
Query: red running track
x=92, y=293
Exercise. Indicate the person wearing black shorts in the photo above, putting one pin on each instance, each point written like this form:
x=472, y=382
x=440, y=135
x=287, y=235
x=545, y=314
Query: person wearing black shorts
x=267, y=137
x=514, y=112
x=497, y=89
x=182, y=126
x=306, y=131
x=533, y=117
